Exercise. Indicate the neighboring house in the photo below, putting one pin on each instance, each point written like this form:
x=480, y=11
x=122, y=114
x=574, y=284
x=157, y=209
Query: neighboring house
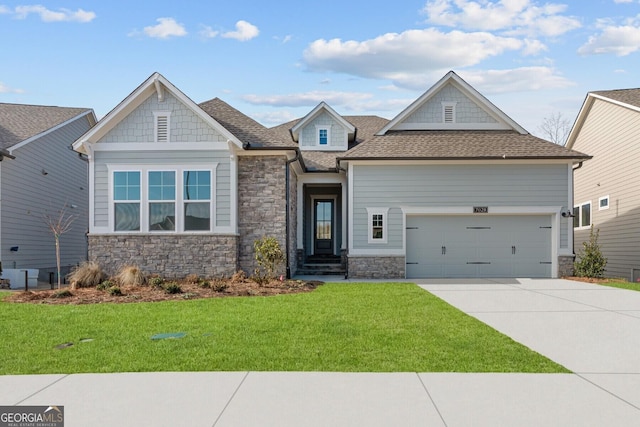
x=451, y=187
x=41, y=175
x=606, y=188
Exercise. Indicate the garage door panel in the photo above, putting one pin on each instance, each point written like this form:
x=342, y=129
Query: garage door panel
x=479, y=246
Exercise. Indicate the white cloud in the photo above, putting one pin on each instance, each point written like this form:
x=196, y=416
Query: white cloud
x=47, y=15
x=515, y=80
x=620, y=40
x=274, y=118
x=166, y=27
x=4, y=10
x=6, y=89
x=244, y=31
x=411, y=55
x=351, y=101
x=208, y=32
x=510, y=16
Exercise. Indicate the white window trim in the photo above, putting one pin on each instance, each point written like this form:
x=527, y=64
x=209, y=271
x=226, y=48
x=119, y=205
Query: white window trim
x=156, y=116
x=579, y=206
x=328, y=129
x=385, y=220
x=144, y=197
x=451, y=105
x=603, y=208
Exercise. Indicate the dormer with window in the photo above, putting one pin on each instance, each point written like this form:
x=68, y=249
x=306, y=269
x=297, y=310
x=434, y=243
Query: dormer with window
x=323, y=130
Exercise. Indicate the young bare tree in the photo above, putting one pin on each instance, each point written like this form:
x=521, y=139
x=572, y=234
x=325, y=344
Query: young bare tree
x=59, y=223
x=555, y=128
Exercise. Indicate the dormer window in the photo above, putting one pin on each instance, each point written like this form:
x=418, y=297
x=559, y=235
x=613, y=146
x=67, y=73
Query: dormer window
x=162, y=126
x=448, y=112
x=322, y=135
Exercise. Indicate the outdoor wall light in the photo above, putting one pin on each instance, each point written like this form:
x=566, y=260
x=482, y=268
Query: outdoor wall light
x=567, y=214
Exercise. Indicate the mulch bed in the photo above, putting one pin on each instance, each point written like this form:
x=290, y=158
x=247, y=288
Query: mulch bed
x=149, y=293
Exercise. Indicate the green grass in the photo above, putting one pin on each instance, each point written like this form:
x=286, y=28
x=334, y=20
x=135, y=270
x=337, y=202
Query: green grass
x=620, y=283
x=392, y=327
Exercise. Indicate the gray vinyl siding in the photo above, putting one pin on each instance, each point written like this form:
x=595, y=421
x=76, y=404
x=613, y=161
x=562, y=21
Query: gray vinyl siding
x=222, y=203
x=610, y=134
x=338, y=134
x=451, y=186
x=28, y=194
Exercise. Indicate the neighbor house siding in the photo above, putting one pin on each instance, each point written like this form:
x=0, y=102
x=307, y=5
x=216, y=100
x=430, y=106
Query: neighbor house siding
x=610, y=134
x=395, y=187
x=45, y=176
x=185, y=125
x=222, y=203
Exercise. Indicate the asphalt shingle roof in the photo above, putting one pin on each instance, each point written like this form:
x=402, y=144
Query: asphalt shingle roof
x=20, y=122
x=242, y=126
x=628, y=96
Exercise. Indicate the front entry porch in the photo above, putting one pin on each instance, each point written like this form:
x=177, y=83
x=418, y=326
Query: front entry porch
x=322, y=231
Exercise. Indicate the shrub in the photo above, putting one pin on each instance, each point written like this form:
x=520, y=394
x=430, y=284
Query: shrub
x=204, y=284
x=220, y=285
x=87, y=274
x=172, y=288
x=115, y=291
x=131, y=275
x=591, y=262
x=103, y=286
x=269, y=257
x=192, y=278
x=238, y=277
x=156, y=282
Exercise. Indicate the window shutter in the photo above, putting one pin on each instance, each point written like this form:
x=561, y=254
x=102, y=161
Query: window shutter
x=162, y=128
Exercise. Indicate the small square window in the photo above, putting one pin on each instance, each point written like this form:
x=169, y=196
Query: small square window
x=377, y=224
x=603, y=203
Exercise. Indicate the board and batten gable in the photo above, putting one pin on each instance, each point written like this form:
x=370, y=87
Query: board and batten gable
x=610, y=134
x=464, y=109
x=442, y=186
x=45, y=176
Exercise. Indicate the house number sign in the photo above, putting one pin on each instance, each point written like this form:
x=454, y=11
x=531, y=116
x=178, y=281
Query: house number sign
x=480, y=209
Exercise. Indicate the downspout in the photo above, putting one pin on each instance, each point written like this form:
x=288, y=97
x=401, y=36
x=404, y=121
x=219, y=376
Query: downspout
x=346, y=220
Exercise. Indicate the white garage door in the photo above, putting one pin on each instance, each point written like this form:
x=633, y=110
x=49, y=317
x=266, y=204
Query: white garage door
x=478, y=246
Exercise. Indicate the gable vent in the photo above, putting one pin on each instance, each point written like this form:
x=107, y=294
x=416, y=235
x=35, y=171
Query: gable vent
x=448, y=114
x=162, y=128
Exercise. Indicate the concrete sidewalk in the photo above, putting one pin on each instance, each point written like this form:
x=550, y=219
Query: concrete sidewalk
x=590, y=329
x=321, y=399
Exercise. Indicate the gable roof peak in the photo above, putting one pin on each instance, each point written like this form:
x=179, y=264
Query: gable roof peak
x=322, y=106
x=502, y=121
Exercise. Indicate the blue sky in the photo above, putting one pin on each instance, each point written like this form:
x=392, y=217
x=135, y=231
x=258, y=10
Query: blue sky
x=275, y=61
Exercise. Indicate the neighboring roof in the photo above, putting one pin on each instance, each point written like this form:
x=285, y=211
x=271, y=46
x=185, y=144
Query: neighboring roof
x=243, y=127
x=459, y=145
x=21, y=122
x=626, y=98
x=323, y=106
x=502, y=120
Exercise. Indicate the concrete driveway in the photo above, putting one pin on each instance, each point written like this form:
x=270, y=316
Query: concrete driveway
x=590, y=329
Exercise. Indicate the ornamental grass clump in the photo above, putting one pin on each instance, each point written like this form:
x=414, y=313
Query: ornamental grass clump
x=86, y=275
x=131, y=275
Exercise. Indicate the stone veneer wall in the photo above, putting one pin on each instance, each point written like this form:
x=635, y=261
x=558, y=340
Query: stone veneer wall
x=376, y=267
x=261, y=205
x=293, y=220
x=171, y=256
x=565, y=265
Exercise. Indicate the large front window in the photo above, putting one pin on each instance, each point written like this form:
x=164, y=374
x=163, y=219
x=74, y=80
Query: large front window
x=126, y=196
x=197, y=200
x=177, y=200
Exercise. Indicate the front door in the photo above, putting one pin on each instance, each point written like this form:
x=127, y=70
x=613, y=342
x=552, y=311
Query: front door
x=323, y=227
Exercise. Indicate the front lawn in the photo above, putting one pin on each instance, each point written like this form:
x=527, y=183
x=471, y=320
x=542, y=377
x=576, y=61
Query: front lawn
x=391, y=327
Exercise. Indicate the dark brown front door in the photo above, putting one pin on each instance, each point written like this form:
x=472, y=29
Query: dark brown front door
x=323, y=227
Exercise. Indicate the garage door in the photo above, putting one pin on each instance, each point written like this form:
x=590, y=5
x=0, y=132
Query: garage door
x=478, y=246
